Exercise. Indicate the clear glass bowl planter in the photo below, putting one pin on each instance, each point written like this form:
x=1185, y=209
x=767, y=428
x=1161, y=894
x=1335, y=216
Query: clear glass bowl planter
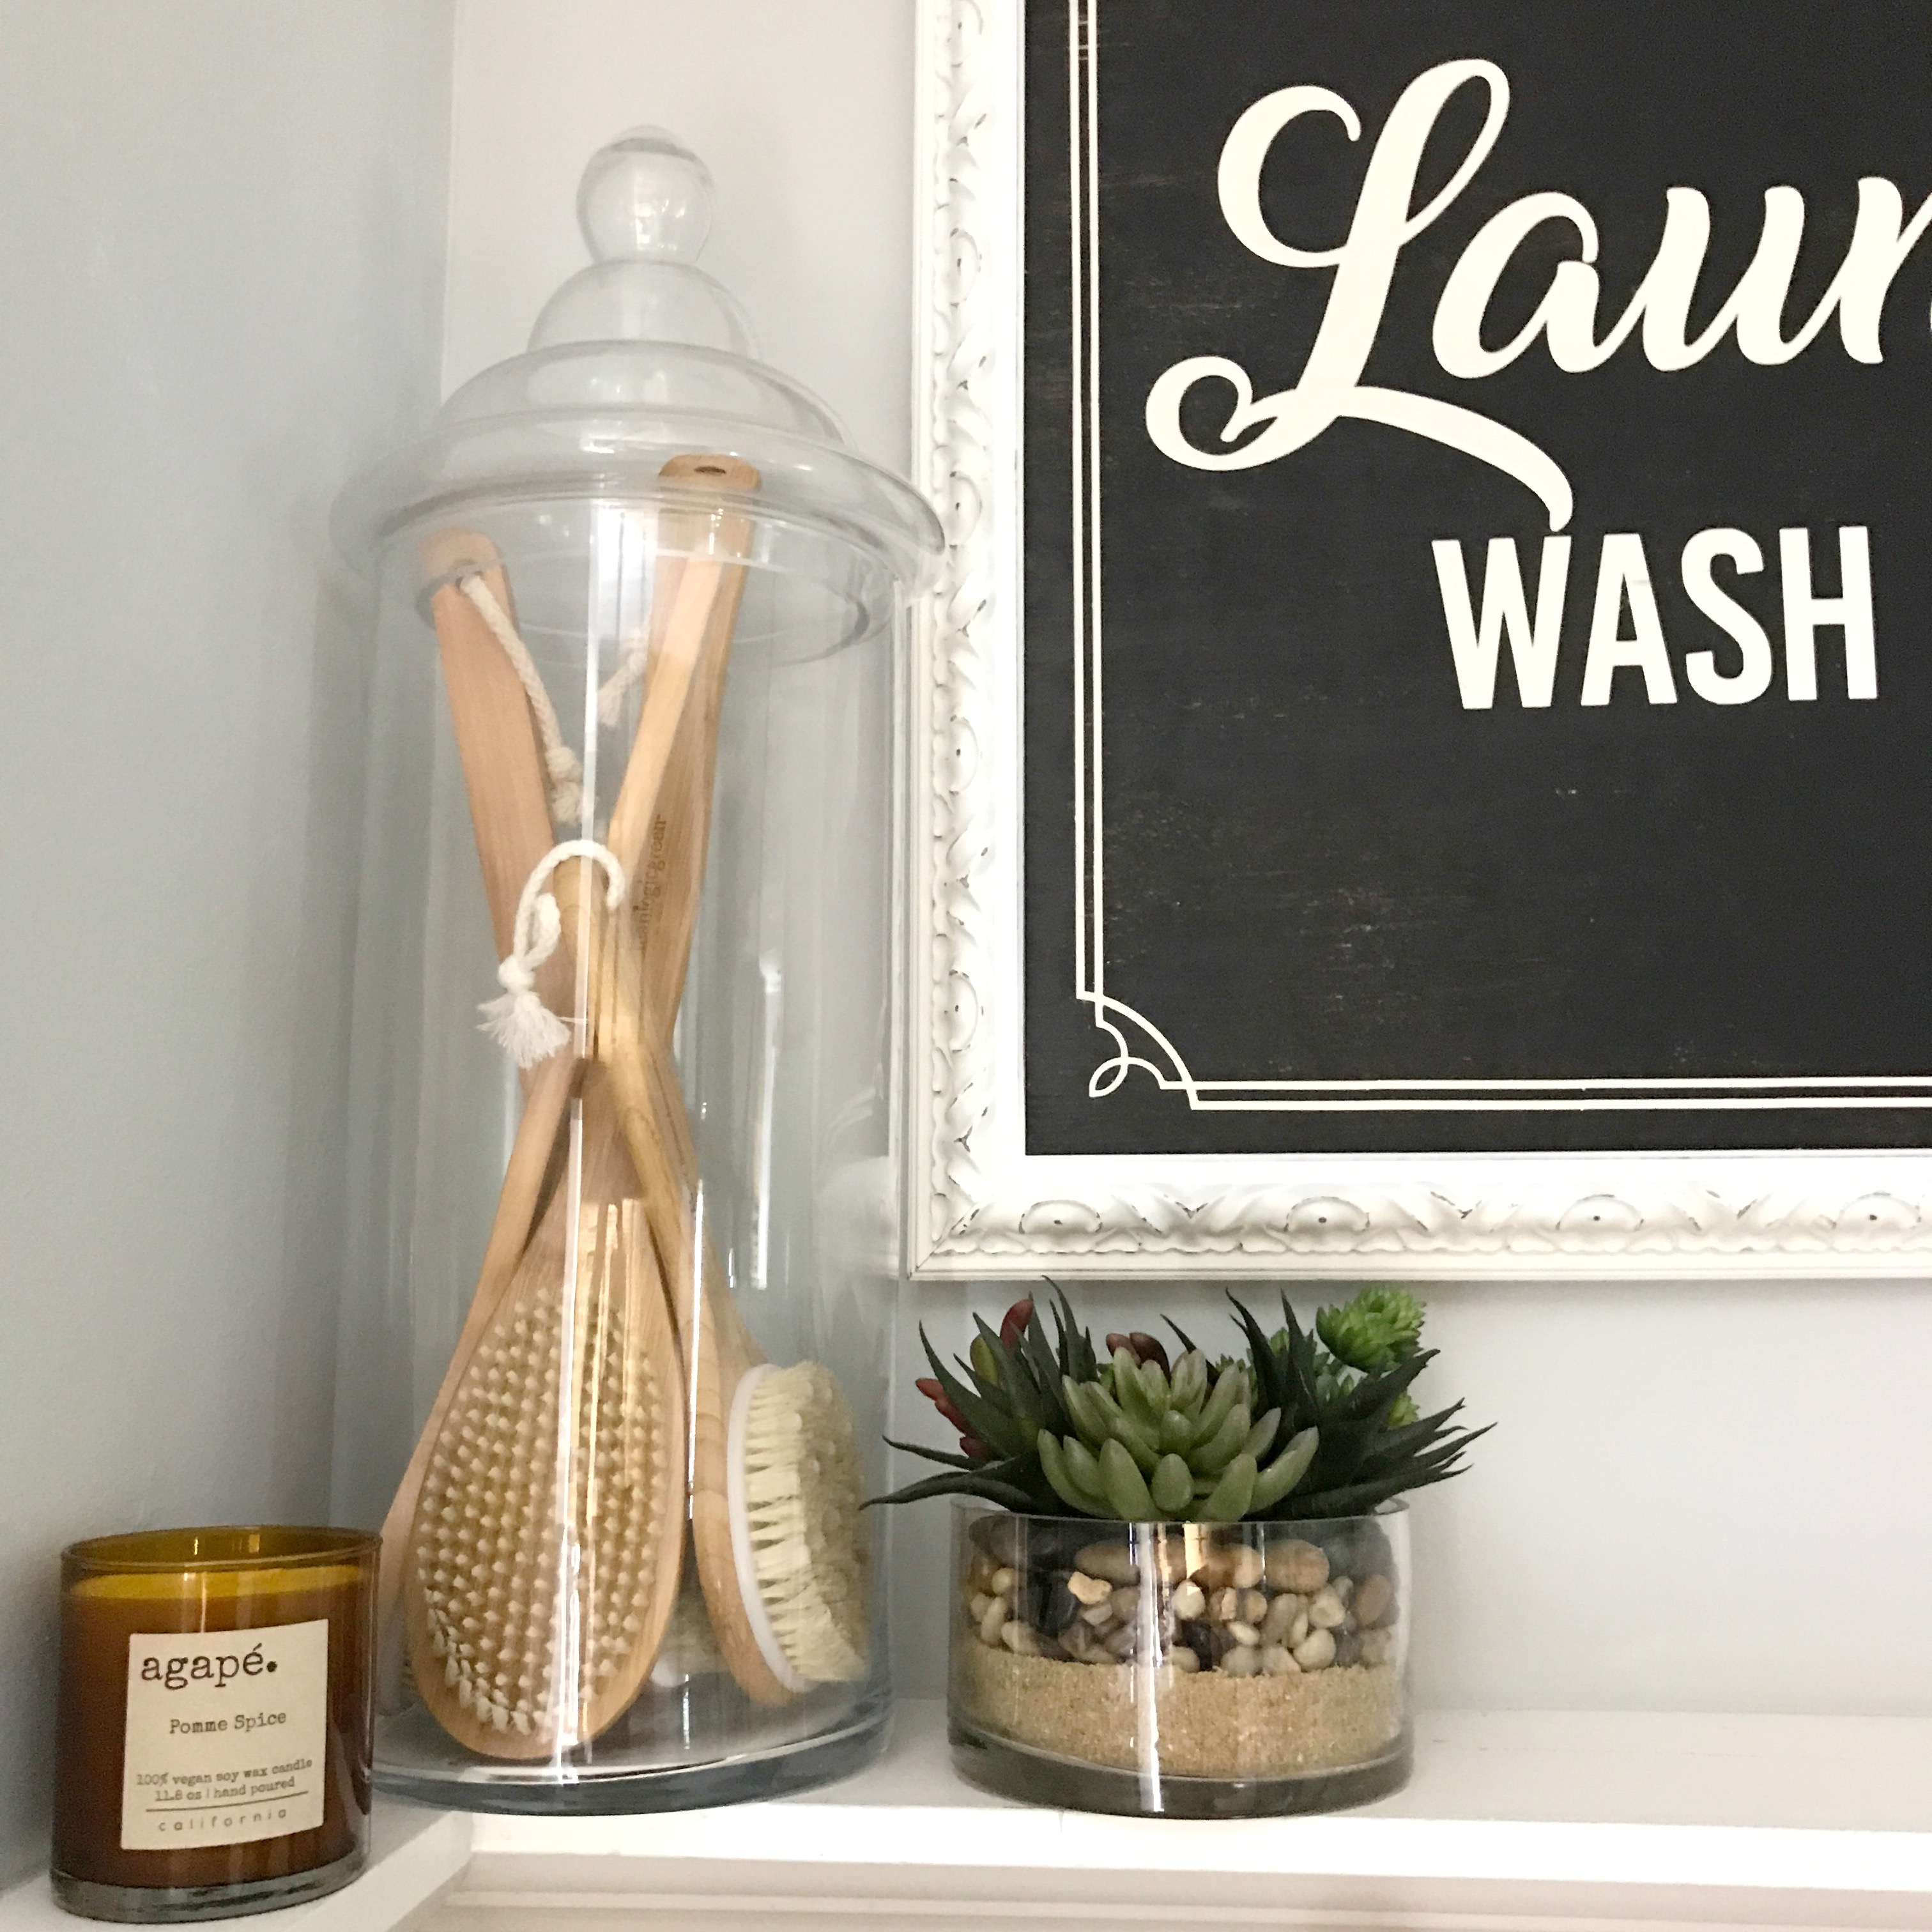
x=1181, y=1669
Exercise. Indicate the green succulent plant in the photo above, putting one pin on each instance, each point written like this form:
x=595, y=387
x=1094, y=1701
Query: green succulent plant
x=1304, y=1424
x=1380, y=1328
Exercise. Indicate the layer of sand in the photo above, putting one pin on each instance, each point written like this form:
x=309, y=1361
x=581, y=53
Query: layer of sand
x=1206, y=1725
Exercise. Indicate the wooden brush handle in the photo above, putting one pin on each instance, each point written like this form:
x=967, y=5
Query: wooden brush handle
x=496, y=742
x=664, y=902
x=703, y=604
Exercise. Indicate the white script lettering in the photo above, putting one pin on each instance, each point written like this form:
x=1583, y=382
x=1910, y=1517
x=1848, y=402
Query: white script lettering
x=1385, y=221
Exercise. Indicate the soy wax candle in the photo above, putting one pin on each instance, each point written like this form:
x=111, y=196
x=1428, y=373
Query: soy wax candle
x=213, y=1753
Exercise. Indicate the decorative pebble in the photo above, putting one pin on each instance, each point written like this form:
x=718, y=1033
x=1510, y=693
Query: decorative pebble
x=1053, y=1609
x=1001, y=1582
x=1080, y=1643
x=1344, y=1587
x=1278, y=1661
x=1020, y=1639
x=1225, y=1606
x=1281, y=1617
x=1189, y=1601
x=1110, y=1561
x=991, y=1621
x=1004, y=1538
x=1325, y=1609
x=1183, y=1659
x=980, y=1605
x=1373, y=1601
x=1244, y=1662
x=1347, y=1648
x=1245, y=1634
x=1298, y=1566
x=1171, y=1562
x=1248, y=1566
x=1124, y=1642
x=1216, y=1570
x=1377, y=1646
x=1089, y=1589
x=1253, y=1607
x=1316, y=1651
x=1100, y=1615
x=1125, y=1602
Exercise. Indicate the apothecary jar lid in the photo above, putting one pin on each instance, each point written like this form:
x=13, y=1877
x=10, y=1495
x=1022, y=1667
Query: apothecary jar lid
x=637, y=359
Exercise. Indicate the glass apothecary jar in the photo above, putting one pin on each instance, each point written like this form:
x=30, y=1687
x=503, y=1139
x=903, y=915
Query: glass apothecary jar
x=1181, y=1669
x=617, y=1334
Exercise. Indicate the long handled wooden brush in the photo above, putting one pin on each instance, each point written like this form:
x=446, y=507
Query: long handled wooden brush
x=774, y=1464
x=543, y=1557
x=540, y=1524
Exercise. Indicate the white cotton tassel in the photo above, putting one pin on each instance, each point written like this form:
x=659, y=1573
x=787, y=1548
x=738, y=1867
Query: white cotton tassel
x=518, y=1020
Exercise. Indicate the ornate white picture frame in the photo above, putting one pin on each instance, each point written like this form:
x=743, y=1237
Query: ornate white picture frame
x=979, y=1204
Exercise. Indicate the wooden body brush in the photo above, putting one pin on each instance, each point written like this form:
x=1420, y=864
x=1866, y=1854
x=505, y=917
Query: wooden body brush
x=543, y=1561
x=540, y=1523
x=497, y=746
x=774, y=1466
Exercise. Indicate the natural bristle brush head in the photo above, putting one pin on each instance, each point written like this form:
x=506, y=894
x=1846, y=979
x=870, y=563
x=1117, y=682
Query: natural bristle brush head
x=799, y=1536
x=544, y=1557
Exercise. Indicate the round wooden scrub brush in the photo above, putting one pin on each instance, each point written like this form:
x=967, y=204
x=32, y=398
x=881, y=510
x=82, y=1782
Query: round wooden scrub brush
x=793, y=1482
x=543, y=1555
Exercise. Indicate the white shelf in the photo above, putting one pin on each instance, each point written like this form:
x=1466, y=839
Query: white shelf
x=413, y=1854
x=1529, y=1819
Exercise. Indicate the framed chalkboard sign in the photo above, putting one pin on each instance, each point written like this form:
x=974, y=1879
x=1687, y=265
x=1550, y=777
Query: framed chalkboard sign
x=1431, y=717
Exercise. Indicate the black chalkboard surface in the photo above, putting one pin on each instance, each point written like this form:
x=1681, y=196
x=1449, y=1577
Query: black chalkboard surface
x=1513, y=730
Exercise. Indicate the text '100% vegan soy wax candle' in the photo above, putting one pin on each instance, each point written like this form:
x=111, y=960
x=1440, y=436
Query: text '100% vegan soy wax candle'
x=215, y=1720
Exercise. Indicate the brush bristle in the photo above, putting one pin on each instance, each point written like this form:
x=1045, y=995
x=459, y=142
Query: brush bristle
x=489, y=1549
x=801, y=1485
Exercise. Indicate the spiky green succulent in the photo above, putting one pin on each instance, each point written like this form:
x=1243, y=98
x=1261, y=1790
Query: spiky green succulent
x=1303, y=1425
x=1380, y=1328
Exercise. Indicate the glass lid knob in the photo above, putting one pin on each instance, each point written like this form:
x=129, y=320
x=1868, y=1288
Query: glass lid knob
x=645, y=197
x=644, y=206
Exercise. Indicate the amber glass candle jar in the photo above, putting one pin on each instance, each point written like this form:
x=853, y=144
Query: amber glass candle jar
x=215, y=1717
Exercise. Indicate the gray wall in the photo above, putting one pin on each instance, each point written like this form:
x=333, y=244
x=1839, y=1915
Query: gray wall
x=224, y=225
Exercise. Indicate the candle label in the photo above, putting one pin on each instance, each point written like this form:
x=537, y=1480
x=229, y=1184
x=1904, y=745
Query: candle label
x=227, y=1732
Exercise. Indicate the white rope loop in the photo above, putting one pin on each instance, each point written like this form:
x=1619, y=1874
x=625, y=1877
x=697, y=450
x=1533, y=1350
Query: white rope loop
x=630, y=670
x=561, y=766
x=518, y=1020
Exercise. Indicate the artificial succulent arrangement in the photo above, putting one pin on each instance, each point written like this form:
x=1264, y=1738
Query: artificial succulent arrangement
x=1304, y=1424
